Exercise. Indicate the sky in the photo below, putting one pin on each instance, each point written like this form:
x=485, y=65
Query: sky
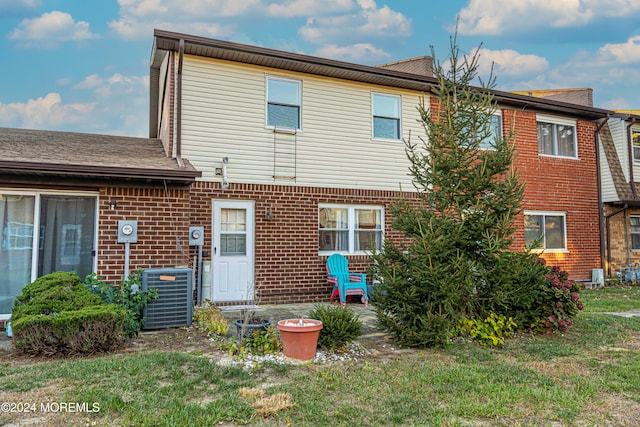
x=83, y=66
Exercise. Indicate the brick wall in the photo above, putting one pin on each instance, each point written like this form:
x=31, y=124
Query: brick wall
x=557, y=184
x=563, y=185
x=621, y=252
x=288, y=268
x=163, y=226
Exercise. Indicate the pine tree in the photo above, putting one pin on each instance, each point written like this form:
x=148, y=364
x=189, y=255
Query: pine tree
x=460, y=224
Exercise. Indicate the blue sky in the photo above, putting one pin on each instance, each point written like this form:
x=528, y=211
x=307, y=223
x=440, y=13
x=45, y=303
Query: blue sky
x=79, y=65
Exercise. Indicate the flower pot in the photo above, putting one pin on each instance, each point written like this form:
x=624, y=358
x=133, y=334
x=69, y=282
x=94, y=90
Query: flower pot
x=299, y=337
x=251, y=326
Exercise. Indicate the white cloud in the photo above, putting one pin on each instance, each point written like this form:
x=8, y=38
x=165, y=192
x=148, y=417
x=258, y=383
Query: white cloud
x=51, y=28
x=114, y=86
x=621, y=53
x=359, y=52
x=139, y=17
x=293, y=8
x=510, y=63
x=491, y=17
x=46, y=112
x=369, y=21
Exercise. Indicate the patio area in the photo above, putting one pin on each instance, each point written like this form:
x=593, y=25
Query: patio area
x=371, y=336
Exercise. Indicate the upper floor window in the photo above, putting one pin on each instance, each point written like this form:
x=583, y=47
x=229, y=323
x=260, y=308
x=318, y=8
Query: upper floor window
x=545, y=228
x=635, y=143
x=350, y=229
x=489, y=143
x=283, y=103
x=386, y=116
x=557, y=137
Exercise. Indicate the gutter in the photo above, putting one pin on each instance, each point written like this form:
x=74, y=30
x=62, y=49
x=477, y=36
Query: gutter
x=599, y=186
x=630, y=154
x=179, y=106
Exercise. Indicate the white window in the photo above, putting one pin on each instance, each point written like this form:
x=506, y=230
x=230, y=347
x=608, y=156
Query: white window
x=386, y=116
x=350, y=229
x=635, y=232
x=545, y=230
x=557, y=137
x=635, y=142
x=283, y=103
x=489, y=143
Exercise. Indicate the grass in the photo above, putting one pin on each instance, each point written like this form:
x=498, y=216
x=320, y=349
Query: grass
x=589, y=376
x=611, y=299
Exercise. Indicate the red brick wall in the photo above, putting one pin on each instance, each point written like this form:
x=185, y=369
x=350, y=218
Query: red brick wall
x=563, y=185
x=558, y=184
x=163, y=227
x=288, y=267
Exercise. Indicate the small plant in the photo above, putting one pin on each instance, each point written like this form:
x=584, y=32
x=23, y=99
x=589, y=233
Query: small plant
x=340, y=325
x=490, y=331
x=259, y=342
x=208, y=318
x=128, y=294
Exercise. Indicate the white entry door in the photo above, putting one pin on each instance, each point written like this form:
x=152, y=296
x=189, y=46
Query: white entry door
x=233, y=238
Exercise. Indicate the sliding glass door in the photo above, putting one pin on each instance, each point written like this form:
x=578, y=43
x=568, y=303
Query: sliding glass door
x=62, y=228
x=16, y=251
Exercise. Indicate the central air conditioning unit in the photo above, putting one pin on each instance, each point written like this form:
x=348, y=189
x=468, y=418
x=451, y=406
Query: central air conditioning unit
x=173, y=307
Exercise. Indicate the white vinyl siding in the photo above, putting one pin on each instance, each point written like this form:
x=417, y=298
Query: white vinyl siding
x=224, y=116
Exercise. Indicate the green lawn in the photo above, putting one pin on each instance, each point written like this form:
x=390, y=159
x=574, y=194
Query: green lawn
x=589, y=376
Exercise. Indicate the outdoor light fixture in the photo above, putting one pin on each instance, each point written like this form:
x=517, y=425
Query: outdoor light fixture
x=225, y=182
x=113, y=204
x=268, y=214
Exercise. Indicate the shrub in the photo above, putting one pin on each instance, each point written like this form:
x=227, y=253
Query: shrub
x=128, y=295
x=340, y=325
x=538, y=297
x=54, y=293
x=492, y=330
x=90, y=330
x=208, y=318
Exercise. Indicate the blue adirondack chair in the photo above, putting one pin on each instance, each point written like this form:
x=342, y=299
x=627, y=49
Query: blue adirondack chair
x=345, y=282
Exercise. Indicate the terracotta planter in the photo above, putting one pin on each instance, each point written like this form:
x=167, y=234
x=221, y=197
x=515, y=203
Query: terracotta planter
x=299, y=337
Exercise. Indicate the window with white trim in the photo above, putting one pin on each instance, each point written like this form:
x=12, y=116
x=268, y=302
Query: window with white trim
x=489, y=143
x=635, y=143
x=557, y=137
x=386, y=116
x=350, y=228
x=283, y=103
x=545, y=230
x=634, y=221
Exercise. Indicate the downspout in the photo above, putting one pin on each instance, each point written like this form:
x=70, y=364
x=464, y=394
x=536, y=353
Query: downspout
x=179, y=106
x=630, y=153
x=600, y=203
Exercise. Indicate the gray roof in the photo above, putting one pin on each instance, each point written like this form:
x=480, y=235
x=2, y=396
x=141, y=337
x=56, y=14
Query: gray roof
x=41, y=152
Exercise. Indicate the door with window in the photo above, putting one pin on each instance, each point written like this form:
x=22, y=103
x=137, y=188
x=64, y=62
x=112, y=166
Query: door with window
x=41, y=234
x=233, y=246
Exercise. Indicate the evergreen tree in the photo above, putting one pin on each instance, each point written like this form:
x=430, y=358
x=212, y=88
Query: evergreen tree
x=460, y=223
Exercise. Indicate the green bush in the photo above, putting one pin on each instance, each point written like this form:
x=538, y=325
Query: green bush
x=90, y=330
x=128, y=295
x=340, y=325
x=538, y=297
x=208, y=318
x=492, y=330
x=54, y=293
